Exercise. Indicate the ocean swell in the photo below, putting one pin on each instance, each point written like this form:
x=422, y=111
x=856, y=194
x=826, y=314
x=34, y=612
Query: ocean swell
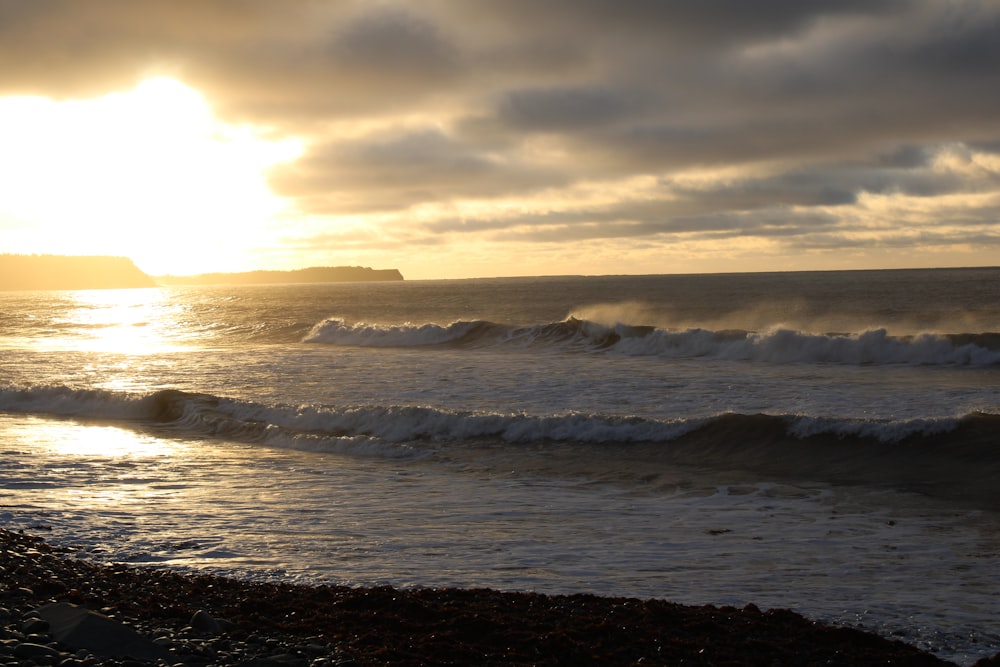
x=779, y=345
x=206, y=414
x=929, y=455
x=334, y=331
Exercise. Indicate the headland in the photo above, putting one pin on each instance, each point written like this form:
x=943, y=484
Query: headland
x=70, y=272
x=316, y=274
x=64, y=272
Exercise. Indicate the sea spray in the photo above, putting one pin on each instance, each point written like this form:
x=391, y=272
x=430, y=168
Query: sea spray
x=779, y=345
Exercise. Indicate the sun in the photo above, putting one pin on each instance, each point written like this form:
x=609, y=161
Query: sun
x=149, y=173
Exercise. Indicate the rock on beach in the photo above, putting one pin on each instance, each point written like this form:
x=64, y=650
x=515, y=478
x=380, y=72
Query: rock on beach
x=59, y=610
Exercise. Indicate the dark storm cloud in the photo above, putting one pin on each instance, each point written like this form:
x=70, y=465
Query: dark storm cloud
x=495, y=99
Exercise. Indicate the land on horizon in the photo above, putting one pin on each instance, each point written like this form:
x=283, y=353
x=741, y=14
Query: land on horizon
x=315, y=274
x=57, y=272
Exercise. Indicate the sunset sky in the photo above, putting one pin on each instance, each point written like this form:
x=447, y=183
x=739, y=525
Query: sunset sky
x=463, y=138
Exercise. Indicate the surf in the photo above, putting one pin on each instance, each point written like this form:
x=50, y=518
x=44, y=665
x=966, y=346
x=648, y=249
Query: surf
x=954, y=456
x=777, y=346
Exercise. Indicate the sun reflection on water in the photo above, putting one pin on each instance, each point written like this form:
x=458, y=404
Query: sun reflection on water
x=54, y=464
x=124, y=321
x=111, y=442
x=70, y=439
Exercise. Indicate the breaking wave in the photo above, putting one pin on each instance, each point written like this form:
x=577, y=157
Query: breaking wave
x=958, y=453
x=198, y=414
x=875, y=346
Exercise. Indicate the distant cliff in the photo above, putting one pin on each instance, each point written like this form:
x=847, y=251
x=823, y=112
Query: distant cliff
x=55, y=272
x=316, y=274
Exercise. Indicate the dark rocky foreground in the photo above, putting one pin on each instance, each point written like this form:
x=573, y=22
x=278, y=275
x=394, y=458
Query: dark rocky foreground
x=48, y=601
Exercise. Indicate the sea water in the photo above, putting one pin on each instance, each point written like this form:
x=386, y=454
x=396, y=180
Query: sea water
x=827, y=442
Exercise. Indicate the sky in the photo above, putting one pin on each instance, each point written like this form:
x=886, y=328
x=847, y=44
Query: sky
x=474, y=138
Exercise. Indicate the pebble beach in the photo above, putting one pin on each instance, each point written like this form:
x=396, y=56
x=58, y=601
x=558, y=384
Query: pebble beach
x=113, y=614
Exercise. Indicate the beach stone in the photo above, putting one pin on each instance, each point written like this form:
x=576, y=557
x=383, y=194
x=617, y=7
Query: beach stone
x=82, y=628
x=314, y=649
x=32, y=651
x=205, y=622
x=280, y=660
x=35, y=626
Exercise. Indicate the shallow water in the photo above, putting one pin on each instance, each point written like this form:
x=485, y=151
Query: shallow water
x=853, y=555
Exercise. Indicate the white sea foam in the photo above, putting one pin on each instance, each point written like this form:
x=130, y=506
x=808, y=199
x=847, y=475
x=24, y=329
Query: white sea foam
x=403, y=424
x=68, y=402
x=389, y=430
x=778, y=345
x=885, y=431
x=338, y=332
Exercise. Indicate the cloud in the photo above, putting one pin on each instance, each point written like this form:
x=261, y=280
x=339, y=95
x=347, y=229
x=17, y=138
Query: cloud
x=561, y=109
x=387, y=42
x=777, y=119
x=370, y=174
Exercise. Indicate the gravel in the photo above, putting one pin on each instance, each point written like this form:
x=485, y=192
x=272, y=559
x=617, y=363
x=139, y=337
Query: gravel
x=207, y=620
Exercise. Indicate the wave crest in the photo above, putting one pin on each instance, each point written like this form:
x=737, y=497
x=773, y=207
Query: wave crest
x=335, y=331
x=780, y=345
x=951, y=456
x=196, y=414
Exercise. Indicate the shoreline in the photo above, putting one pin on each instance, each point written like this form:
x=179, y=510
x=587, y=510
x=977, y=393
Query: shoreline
x=205, y=619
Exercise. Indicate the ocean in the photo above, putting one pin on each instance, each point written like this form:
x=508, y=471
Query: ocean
x=827, y=442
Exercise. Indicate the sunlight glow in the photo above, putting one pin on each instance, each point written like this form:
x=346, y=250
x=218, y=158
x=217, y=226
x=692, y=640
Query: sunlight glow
x=123, y=321
x=111, y=441
x=73, y=439
x=149, y=174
